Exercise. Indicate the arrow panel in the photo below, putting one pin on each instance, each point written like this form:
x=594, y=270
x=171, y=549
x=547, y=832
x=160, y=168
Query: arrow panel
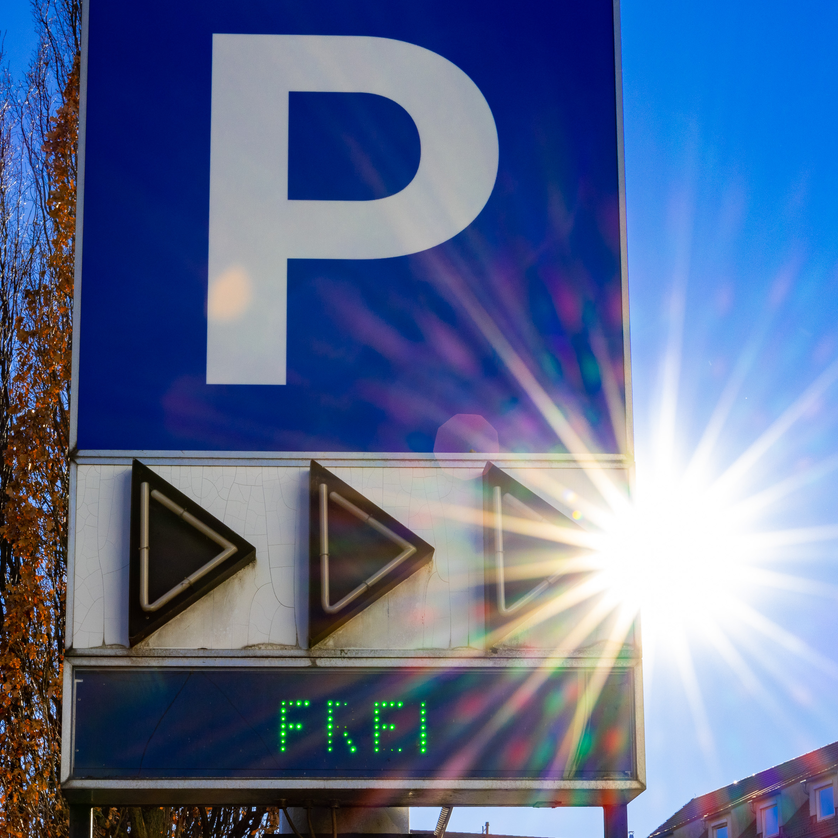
x=357, y=553
x=179, y=552
x=531, y=554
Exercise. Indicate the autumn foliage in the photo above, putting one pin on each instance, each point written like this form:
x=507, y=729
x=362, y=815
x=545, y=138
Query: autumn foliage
x=37, y=226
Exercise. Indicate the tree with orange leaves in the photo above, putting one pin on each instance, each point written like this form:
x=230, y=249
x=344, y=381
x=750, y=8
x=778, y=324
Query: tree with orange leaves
x=37, y=196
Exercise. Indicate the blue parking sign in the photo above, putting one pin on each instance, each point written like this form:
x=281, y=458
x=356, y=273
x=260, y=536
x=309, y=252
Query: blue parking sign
x=330, y=226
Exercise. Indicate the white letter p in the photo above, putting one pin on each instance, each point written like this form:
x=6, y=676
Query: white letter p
x=254, y=229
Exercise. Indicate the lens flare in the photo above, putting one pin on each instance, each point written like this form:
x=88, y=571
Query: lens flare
x=680, y=556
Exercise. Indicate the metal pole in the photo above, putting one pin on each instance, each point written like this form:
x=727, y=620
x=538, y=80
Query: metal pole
x=81, y=822
x=616, y=820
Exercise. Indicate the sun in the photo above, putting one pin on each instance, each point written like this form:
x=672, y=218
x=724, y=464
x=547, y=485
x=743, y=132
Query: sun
x=680, y=556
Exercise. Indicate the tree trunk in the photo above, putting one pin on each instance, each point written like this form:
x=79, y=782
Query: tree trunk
x=153, y=822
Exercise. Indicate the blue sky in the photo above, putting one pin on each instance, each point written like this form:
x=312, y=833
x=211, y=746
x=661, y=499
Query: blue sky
x=731, y=175
x=18, y=35
x=733, y=270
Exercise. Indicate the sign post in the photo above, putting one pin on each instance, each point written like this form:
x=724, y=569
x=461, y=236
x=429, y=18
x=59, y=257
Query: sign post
x=351, y=408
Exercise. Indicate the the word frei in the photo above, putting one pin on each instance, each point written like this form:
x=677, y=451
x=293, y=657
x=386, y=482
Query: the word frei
x=381, y=726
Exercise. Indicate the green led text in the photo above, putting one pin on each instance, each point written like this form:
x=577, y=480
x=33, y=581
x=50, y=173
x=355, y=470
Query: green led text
x=391, y=726
x=333, y=728
x=287, y=725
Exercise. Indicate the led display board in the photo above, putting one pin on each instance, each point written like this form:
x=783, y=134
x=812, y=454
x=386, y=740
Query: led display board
x=279, y=729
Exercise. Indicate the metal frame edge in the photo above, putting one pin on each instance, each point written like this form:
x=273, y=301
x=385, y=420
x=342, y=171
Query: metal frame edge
x=639, y=722
x=360, y=459
x=79, y=244
x=621, y=177
x=67, y=722
x=70, y=595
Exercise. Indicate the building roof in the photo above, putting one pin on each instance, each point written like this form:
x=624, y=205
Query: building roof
x=765, y=782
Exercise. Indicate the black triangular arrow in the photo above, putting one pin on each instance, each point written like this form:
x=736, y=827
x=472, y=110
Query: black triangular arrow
x=357, y=553
x=179, y=552
x=522, y=570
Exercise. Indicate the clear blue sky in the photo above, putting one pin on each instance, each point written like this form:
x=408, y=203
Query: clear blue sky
x=732, y=173
x=18, y=36
x=730, y=127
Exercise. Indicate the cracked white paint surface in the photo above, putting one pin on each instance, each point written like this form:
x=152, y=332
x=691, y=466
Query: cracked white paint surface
x=438, y=607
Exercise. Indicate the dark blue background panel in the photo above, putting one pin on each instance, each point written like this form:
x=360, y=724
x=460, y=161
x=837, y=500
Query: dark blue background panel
x=383, y=352
x=353, y=723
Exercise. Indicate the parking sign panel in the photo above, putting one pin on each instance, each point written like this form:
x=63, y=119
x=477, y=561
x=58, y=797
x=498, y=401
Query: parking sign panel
x=350, y=407
x=408, y=213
